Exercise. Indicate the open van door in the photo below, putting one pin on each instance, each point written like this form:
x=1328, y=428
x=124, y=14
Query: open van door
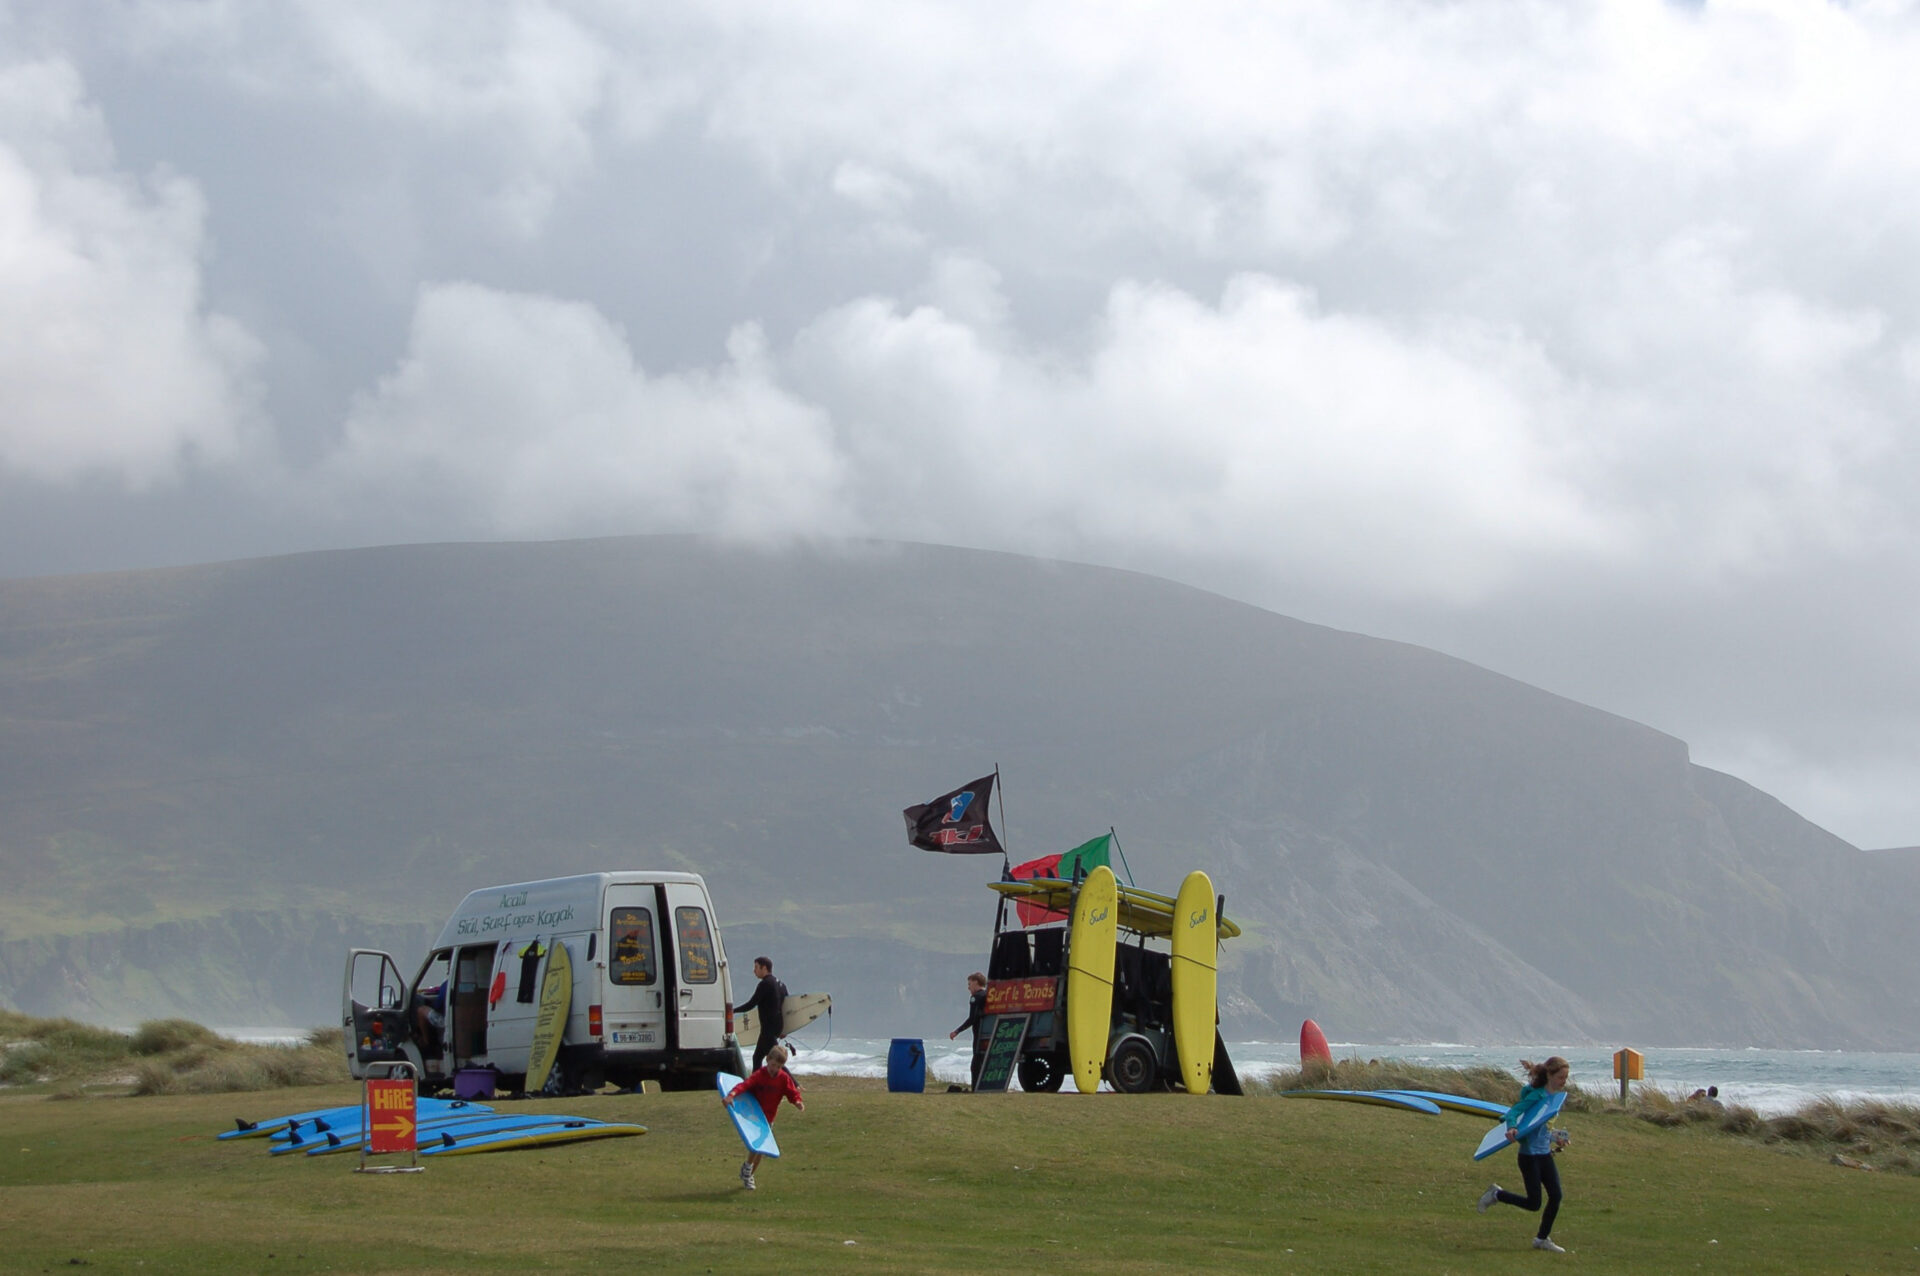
x=700, y=996
x=373, y=1012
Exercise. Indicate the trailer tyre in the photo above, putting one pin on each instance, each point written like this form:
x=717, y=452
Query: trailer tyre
x=1132, y=1069
x=1041, y=1073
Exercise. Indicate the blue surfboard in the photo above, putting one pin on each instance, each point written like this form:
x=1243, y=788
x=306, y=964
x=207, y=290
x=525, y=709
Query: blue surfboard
x=332, y=1119
x=1457, y=1102
x=351, y=1140
x=1497, y=1137
x=1379, y=1098
x=748, y=1120
x=346, y=1123
x=562, y=1130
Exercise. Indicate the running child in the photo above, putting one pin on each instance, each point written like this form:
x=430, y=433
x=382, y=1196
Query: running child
x=1536, y=1151
x=770, y=1083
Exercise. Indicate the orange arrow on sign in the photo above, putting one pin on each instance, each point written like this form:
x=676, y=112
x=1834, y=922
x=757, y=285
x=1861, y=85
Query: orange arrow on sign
x=399, y=1127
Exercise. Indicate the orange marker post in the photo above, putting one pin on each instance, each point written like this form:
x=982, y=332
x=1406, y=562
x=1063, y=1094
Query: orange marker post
x=1628, y=1065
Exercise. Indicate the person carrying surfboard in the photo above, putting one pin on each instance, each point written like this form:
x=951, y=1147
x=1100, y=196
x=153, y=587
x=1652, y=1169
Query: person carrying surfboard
x=1536, y=1150
x=769, y=1084
x=769, y=1004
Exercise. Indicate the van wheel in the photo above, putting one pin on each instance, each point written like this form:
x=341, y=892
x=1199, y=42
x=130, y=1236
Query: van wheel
x=1132, y=1069
x=1041, y=1073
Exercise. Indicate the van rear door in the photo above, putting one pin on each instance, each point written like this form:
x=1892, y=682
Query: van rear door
x=634, y=1005
x=700, y=1003
x=373, y=1011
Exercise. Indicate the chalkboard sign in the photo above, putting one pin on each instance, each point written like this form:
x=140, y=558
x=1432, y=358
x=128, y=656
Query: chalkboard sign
x=1003, y=1051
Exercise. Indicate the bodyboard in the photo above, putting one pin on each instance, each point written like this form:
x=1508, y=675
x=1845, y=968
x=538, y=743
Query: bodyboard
x=556, y=997
x=1225, y=1079
x=1497, y=1137
x=796, y=1012
x=749, y=1122
x=1196, y=979
x=1090, y=953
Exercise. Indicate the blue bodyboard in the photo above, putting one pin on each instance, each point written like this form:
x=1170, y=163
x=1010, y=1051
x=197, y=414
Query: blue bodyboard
x=748, y=1119
x=1497, y=1136
x=1457, y=1102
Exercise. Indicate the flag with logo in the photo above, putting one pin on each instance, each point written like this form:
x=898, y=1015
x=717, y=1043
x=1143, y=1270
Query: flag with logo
x=955, y=822
x=1067, y=865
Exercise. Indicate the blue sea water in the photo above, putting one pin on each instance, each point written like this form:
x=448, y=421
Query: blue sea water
x=1772, y=1082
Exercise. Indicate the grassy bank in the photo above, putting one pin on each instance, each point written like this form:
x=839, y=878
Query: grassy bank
x=889, y=1182
x=67, y=1059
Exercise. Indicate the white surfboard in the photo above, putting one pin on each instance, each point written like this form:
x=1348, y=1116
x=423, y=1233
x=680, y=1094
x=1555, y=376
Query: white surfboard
x=798, y=1010
x=1497, y=1137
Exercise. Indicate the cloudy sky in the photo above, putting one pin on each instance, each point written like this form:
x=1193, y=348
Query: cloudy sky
x=1581, y=340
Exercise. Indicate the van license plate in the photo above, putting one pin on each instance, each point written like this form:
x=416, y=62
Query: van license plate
x=637, y=1037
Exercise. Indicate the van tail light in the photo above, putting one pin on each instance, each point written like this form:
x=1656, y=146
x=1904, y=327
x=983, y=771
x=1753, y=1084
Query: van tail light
x=593, y=1021
x=729, y=1018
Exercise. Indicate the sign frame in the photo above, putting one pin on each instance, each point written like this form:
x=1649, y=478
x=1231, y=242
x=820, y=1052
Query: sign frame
x=1005, y=1037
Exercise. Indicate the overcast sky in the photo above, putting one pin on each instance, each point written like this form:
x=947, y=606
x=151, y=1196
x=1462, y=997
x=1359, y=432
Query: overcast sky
x=1578, y=340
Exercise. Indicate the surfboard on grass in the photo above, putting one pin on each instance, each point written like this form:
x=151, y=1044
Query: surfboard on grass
x=796, y=1012
x=1378, y=1098
x=1196, y=981
x=550, y=1024
x=1090, y=951
x=1497, y=1139
x=749, y=1122
x=244, y=1129
x=560, y=1130
x=430, y=1130
x=1458, y=1103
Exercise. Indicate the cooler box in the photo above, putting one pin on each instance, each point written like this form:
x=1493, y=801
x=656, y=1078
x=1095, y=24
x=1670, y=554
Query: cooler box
x=907, y=1065
x=473, y=1083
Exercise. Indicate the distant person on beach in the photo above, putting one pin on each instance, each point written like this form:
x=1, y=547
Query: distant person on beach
x=1536, y=1151
x=976, y=1015
x=769, y=1085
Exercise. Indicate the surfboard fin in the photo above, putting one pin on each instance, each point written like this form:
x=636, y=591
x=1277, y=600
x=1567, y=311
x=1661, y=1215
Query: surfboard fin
x=244, y=1126
x=333, y=1140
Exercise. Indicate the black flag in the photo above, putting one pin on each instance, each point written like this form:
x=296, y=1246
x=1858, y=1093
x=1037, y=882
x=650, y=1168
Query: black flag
x=956, y=823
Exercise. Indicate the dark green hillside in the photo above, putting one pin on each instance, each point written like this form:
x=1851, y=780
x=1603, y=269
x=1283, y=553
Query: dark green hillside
x=213, y=778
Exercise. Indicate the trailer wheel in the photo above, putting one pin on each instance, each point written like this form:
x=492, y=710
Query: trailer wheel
x=1132, y=1068
x=1041, y=1073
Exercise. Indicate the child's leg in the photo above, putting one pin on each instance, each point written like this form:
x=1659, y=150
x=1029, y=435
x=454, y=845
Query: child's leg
x=754, y=1159
x=1550, y=1179
x=1530, y=1173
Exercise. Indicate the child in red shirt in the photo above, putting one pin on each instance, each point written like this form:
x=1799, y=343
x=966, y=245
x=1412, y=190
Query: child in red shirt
x=769, y=1083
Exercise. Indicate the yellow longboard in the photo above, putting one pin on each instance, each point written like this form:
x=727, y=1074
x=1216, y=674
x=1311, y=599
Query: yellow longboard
x=1090, y=945
x=1196, y=980
x=550, y=1024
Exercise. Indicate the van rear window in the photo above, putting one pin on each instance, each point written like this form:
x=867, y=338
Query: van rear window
x=697, y=965
x=632, y=947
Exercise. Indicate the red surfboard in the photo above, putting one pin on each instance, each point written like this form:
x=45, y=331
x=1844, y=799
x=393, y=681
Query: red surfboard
x=1313, y=1043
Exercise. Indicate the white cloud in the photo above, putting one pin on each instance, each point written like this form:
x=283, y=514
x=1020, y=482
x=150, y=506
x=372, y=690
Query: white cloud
x=517, y=415
x=110, y=363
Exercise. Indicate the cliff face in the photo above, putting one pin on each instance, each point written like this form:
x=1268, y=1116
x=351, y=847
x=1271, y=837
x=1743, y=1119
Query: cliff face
x=213, y=781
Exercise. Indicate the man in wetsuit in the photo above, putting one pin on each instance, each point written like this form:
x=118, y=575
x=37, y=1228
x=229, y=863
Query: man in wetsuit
x=768, y=1002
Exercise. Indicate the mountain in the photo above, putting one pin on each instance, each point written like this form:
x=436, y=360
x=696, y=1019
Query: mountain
x=214, y=779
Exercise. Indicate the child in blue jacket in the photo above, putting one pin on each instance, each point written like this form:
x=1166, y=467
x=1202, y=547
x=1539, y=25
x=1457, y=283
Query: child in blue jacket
x=1537, y=1169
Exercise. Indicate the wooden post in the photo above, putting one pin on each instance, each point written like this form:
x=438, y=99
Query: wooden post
x=1628, y=1065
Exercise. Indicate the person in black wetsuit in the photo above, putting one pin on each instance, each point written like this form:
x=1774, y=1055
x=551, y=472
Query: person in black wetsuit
x=976, y=1011
x=768, y=1001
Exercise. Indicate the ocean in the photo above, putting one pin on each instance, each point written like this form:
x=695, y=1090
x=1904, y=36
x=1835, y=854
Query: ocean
x=1772, y=1082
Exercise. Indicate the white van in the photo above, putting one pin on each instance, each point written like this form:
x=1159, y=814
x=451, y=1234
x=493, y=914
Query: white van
x=651, y=994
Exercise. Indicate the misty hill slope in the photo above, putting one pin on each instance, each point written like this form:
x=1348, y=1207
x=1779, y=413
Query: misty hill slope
x=342, y=744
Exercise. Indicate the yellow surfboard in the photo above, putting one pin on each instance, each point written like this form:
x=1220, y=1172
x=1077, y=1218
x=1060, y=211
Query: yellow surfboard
x=550, y=1024
x=1195, y=980
x=1090, y=948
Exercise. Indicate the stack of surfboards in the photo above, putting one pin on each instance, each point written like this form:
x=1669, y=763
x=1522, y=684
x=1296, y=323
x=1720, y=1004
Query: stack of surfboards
x=446, y=1128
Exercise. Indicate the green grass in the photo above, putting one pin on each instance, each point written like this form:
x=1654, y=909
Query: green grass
x=929, y=1182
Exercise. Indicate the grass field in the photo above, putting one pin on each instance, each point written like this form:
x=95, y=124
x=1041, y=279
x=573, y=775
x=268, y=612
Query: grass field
x=935, y=1182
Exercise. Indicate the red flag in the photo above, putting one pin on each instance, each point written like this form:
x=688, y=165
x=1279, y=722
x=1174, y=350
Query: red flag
x=1035, y=914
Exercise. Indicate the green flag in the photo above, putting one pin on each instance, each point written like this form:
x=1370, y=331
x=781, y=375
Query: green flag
x=1084, y=858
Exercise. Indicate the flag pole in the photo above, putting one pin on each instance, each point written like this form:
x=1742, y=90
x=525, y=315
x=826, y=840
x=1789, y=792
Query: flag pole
x=1006, y=860
x=1123, y=854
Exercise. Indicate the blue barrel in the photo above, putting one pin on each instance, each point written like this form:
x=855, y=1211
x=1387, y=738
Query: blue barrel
x=907, y=1065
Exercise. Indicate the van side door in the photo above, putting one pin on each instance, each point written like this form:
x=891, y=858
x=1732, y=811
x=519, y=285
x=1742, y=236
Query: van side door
x=700, y=1005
